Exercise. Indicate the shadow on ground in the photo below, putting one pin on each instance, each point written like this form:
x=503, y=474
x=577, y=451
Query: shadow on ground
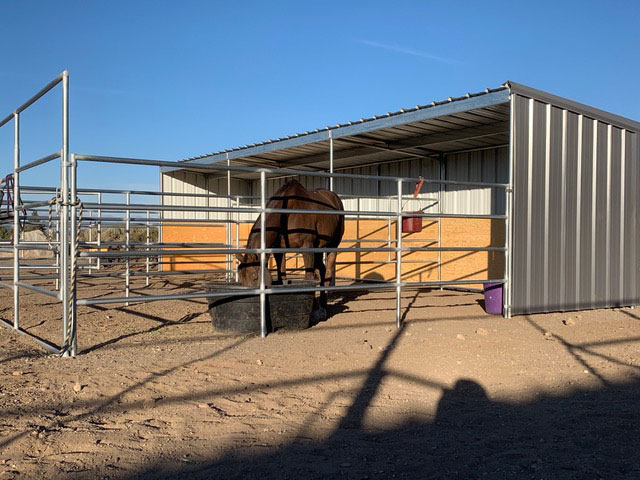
x=586, y=434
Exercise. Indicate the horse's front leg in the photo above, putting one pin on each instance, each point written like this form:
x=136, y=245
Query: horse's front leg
x=309, y=274
x=320, y=274
x=320, y=270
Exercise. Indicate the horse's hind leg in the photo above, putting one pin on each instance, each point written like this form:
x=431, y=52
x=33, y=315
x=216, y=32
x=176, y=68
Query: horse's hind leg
x=281, y=265
x=331, y=268
x=308, y=266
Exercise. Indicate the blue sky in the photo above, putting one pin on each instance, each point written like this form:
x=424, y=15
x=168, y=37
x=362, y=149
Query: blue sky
x=173, y=79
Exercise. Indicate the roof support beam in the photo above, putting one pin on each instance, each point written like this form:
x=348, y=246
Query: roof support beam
x=407, y=146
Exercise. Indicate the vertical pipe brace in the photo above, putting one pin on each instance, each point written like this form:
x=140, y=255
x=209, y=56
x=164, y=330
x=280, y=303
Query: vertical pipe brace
x=399, y=256
x=16, y=221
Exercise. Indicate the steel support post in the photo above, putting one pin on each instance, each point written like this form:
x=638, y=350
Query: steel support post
x=330, y=160
x=99, y=233
x=16, y=221
x=399, y=257
x=64, y=226
x=389, y=228
x=228, y=226
x=237, y=240
x=57, y=230
x=440, y=175
x=508, y=267
x=90, y=237
x=263, y=224
x=127, y=236
x=148, y=243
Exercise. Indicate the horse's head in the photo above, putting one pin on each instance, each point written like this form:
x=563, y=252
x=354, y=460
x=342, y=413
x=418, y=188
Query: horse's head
x=249, y=270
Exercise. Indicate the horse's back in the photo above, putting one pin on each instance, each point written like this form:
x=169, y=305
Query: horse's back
x=292, y=195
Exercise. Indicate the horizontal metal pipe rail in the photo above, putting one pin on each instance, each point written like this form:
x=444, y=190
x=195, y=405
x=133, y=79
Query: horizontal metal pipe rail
x=32, y=205
x=34, y=267
x=48, y=346
x=35, y=288
x=153, y=253
x=33, y=99
x=29, y=246
x=271, y=291
x=119, y=207
x=42, y=160
x=85, y=191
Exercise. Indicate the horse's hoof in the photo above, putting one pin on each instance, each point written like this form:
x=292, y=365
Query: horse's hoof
x=318, y=315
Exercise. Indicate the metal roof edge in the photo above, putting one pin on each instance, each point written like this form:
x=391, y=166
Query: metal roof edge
x=452, y=106
x=577, y=107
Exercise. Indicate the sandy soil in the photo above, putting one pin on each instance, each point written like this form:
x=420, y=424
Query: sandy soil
x=455, y=393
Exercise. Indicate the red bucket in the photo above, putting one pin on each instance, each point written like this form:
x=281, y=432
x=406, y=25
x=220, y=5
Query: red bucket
x=412, y=224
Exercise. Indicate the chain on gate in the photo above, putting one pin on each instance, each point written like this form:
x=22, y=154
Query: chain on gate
x=57, y=200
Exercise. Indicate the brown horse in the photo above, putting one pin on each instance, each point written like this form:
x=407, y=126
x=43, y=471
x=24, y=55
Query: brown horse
x=297, y=230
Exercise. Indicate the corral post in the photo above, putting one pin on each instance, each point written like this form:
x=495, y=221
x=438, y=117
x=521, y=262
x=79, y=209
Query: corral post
x=90, y=237
x=229, y=233
x=441, y=161
x=508, y=256
x=237, y=241
x=330, y=160
x=16, y=220
x=263, y=224
x=127, y=240
x=399, y=257
x=57, y=250
x=99, y=233
x=64, y=218
x=148, y=243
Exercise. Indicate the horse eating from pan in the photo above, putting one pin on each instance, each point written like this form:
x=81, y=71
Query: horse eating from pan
x=297, y=230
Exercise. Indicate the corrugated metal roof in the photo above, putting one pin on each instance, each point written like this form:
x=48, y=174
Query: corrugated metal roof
x=472, y=121
x=401, y=112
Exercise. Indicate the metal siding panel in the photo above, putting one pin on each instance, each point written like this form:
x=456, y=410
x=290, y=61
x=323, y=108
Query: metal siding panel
x=635, y=213
x=165, y=182
x=631, y=233
x=615, y=260
x=472, y=166
x=571, y=192
x=584, y=213
x=502, y=176
x=201, y=188
x=478, y=166
x=582, y=210
x=555, y=297
x=600, y=251
x=537, y=225
x=521, y=179
x=181, y=182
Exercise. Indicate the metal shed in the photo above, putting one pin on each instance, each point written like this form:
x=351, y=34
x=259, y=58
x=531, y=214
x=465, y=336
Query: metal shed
x=572, y=170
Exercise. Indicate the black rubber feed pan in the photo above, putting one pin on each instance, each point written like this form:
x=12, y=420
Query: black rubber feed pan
x=241, y=313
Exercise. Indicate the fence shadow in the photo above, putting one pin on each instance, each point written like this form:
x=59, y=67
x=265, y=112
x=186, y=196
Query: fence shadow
x=582, y=434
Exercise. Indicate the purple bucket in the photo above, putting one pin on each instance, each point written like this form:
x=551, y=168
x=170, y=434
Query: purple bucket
x=493, y=298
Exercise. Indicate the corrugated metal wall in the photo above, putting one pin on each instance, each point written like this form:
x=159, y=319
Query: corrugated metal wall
x=575, y=226
x=371, y=195
x=479, y=166
x=198, y=183
x=366, y=195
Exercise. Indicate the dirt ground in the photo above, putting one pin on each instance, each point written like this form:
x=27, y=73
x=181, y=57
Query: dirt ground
x=455, y=393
